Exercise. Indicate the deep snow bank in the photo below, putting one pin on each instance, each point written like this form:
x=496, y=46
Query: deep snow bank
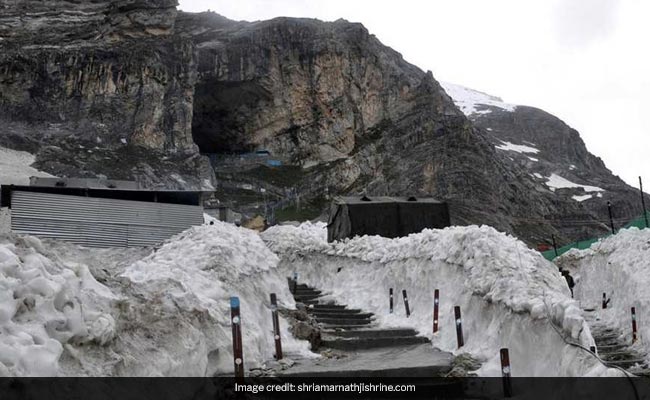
x=507, y=292
x=617, y=265
x=45, y=305
x=201, y=268
x=67, y=310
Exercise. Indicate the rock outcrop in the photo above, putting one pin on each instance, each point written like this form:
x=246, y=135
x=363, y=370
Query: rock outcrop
x=92, y=87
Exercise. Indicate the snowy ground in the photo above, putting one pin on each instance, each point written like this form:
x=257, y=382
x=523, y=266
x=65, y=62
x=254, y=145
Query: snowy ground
x=66, y=310
x=510, y=296
x=618, y=266
x=15, y=167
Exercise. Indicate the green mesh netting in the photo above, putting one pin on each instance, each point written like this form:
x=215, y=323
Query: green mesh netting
x=585, y=244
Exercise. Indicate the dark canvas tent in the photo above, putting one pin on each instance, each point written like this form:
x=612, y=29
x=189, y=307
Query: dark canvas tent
x=384, y=216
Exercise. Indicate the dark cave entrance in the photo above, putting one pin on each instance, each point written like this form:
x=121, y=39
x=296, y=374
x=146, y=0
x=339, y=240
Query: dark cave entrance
x=222, y=113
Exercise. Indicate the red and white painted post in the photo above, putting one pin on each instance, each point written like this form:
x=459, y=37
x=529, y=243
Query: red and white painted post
x=505, y=373
x=406, y=303
x=390, y=295
x=634, y=332
x=276, y=327
x=436, y=304
x=459, y=327
x=237, y=348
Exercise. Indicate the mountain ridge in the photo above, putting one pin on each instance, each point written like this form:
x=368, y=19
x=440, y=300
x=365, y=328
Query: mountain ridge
x=156, y=92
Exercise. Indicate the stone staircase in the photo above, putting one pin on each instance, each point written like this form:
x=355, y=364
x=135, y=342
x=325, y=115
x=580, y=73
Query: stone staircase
x=365, y=349
x=613, y=347
x=351, y=329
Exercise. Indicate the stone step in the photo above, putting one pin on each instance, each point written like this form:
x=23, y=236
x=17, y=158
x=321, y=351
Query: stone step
x=606, y=343
x=302, y=286
x=305, y=297
x=337, y=310
x=318, y=306
x=341, y=314
x=627, y=363
x=611, y=347
x=595, y=332
x=303, y=292
x=342, y=326
x=619, y=356
x=603, y=338
x=372, y=333
x=357, y=343
x=344, y=321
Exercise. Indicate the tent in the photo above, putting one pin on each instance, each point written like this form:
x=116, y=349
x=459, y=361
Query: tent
x=384, y=216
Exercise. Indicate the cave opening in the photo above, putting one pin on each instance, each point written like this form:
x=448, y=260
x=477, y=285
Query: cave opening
x=223, y=111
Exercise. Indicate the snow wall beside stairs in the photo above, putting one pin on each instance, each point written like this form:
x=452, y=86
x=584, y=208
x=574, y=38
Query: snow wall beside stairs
x=67, y=310
x=619, y=266
x=508, y=293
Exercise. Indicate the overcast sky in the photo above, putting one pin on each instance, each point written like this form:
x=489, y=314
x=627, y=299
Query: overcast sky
x=585, y=61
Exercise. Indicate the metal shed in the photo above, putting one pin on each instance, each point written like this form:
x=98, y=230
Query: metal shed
x=384, y=216
x=101, y=217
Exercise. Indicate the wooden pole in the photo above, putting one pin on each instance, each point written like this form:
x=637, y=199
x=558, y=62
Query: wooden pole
x=554, y=245
x=505, y=373
x=634, y=334
x=436, y=304
x=237, y=349
x=645, y=214
x=459, y=327
x=406, y=303
x=611, y=219
x=276, y=327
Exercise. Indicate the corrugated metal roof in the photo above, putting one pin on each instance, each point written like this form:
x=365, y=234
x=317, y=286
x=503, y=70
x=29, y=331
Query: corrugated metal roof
x=100, y=222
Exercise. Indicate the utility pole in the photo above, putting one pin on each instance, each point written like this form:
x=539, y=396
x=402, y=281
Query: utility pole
x=611, y=220
x=645, y=214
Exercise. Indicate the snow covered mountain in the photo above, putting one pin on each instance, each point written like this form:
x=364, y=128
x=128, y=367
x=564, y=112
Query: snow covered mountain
x=555, y=157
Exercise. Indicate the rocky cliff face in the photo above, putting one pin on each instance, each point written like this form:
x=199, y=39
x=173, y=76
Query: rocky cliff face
x=135, y=89
x=86, y=85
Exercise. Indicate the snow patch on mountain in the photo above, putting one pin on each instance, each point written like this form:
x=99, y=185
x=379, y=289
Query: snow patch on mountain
x=15, y=167
x=557, y=182
x=582, y=198
x=519, y=148
x=471, y=101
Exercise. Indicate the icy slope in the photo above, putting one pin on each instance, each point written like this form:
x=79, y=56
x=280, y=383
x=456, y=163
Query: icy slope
x=618, y=266
x=508, y=293
x=71, y=311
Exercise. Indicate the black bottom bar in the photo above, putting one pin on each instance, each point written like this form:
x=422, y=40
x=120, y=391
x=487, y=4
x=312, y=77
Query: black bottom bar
x=320, y=388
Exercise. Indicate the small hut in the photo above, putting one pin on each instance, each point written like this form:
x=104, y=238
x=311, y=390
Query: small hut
x=384, y=216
